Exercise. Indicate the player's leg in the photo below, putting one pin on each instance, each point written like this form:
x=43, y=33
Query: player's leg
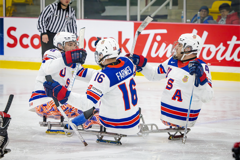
x=93, y=120
x=49, y=110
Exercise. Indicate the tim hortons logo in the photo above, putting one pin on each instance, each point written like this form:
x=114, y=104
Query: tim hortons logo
x=209, y=51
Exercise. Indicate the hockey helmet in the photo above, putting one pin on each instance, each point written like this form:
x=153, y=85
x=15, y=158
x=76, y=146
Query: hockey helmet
x=61, y=38
x=190, y=40
x=106, y=49
x=191, y=43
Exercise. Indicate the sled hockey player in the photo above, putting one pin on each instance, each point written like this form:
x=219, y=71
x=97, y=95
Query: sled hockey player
x=114, y=86
x=179, y=71
x=59, y=63
x=4, y=123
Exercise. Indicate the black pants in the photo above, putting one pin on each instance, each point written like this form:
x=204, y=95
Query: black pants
x=49, y=45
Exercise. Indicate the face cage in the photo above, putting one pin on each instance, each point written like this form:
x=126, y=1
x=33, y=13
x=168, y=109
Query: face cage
x=173, y=51
x=63, y=45
x=99, y=58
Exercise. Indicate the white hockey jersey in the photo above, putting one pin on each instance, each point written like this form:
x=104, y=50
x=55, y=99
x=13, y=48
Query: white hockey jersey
x=176, y=96
x=54, y=65
x=116, y=88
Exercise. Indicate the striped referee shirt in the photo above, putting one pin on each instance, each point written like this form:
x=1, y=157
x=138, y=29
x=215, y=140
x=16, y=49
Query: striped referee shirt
x=55, y=19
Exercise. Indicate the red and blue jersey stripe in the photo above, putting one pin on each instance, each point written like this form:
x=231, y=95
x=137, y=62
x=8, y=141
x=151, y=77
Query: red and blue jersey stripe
x=37, y=95
x=161, y=69
x=47, y=57
x=82, y=72
x=178, y=113
x=93, y=96
x=123, y=123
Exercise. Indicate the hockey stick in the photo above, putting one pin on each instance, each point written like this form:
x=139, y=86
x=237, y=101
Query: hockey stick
x=9, y=103
x=189, y=109
x=81, y=45
x=49, y=79
x=139, y=30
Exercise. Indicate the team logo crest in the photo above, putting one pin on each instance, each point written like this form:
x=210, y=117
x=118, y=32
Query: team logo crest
x=102, y=41
x=194, y=36
x=185, y=79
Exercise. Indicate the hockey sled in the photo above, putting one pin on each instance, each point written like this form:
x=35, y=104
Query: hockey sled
x=50, y=125
x=174, y=133
x=100, y=132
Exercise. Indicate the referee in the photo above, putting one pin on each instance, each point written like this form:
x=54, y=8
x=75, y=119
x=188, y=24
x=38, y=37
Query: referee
x=56, y=17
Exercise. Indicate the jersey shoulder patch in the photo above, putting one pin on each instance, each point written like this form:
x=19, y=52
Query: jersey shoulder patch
x=51, y=54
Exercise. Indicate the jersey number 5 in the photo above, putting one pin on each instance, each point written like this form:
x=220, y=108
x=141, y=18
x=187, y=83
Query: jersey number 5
x=125, y=94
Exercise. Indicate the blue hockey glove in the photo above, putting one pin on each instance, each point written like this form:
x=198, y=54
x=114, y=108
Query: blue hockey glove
x=74, y=56
x=195, y=67
x=55, y=90
x=138, y=60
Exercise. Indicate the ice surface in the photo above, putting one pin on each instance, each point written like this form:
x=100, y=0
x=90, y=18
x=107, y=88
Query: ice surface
x=213, y=136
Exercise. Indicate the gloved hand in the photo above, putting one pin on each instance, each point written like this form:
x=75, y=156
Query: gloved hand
x=55, y=90
x=195, y=67
x=74, y=56
x=138, y=60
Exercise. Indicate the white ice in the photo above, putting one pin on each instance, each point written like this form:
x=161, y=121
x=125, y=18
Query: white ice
x=212, y=138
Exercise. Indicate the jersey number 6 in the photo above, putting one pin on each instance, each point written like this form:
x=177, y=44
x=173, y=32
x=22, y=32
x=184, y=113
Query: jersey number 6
x=125, y=94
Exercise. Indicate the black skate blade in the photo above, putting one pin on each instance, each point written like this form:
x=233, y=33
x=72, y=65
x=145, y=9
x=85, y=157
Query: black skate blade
x=109, y=142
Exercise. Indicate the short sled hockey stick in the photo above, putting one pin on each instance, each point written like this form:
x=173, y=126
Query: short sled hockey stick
x=10, y=99
x=189, y=109
x=49, y=79
x=139, y=30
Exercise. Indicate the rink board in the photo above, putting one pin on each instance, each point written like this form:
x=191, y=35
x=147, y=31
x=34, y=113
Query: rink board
x=21, y=47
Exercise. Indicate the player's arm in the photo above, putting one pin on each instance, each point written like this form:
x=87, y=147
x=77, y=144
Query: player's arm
x=85, y=74
x=53, y=62
x=202, y=80
x=83, y=102
x=155, y=73
x=152, y=73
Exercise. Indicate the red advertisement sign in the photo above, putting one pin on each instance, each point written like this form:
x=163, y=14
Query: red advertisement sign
x=221, y=43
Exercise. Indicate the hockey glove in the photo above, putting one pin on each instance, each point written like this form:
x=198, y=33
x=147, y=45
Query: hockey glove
x=4, y=123
x=74, y=56
x=138, y=60
x=55, y=90
x=195, y=67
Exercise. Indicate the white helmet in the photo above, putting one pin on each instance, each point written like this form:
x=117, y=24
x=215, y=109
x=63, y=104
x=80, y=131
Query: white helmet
x=62, y=37
x=106, y=49
x=191, y=40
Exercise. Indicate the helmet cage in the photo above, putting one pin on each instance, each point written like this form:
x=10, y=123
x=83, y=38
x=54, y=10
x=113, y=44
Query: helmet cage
x=61, y=38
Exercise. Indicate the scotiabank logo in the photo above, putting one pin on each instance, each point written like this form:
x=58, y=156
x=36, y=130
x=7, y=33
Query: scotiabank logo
x=26, y=41
x=220, y=47
x=122, y=42
x=20, y=40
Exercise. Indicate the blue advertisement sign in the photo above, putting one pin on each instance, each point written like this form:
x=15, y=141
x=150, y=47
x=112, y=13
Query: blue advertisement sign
x=1, y=37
